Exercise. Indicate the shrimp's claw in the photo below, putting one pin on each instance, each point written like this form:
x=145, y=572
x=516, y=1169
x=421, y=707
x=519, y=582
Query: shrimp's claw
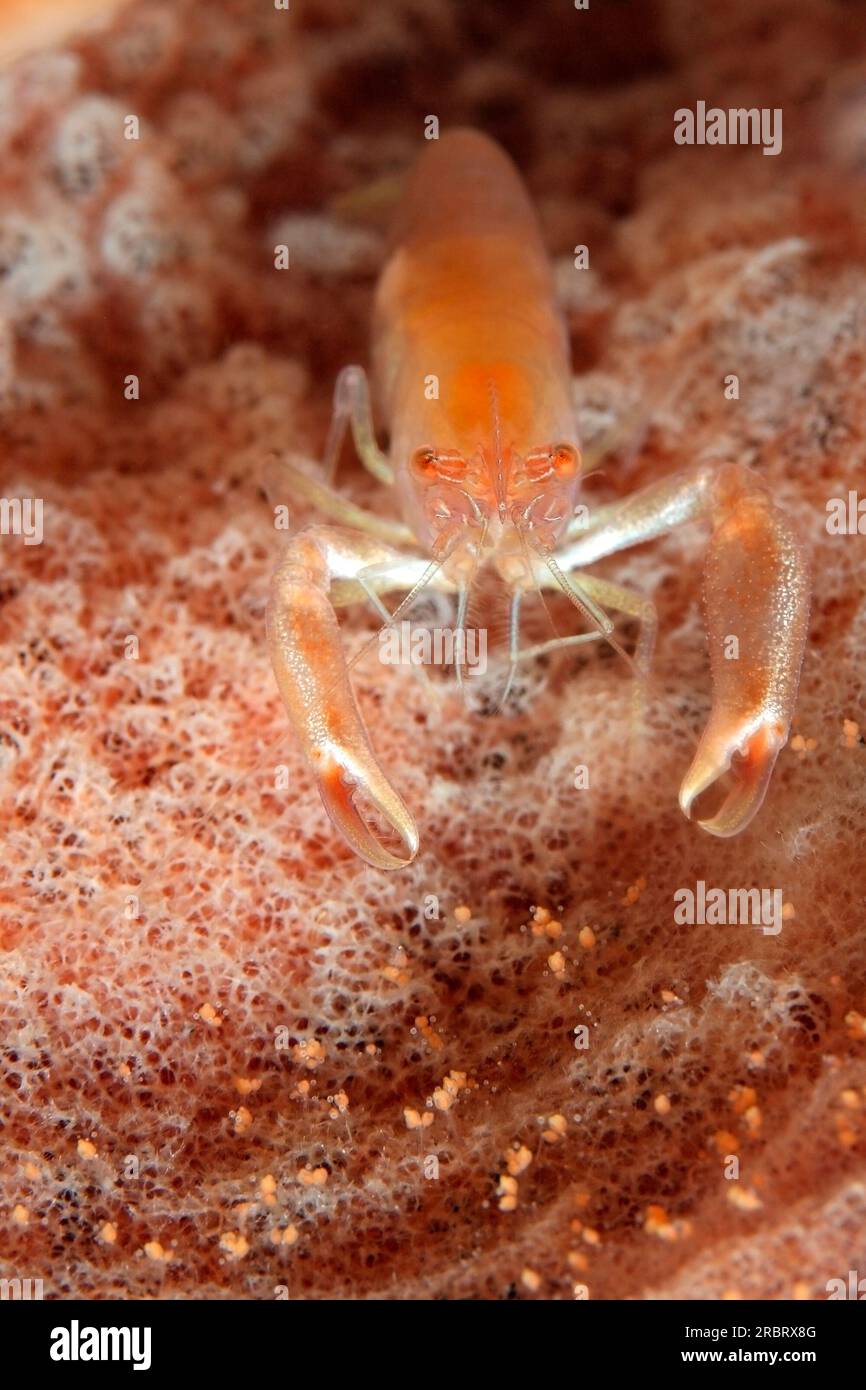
x=346, y=782
x=307, y=656
x=749, y=755
x=756, y=597
x=756, y=601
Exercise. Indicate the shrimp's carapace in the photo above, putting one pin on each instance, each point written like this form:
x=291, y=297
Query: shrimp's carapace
x=470, y=350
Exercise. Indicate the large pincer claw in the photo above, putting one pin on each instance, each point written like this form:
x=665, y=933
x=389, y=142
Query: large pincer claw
x=756, y=595
x=748, y=754
x=307, y=656
x=364, y=806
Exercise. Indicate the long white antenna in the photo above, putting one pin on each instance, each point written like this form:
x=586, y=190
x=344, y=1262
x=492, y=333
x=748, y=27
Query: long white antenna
x=586, y=605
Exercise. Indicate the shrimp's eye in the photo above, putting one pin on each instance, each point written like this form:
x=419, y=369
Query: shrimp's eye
x=565, y=460
x=560, y=460
x=423, y=463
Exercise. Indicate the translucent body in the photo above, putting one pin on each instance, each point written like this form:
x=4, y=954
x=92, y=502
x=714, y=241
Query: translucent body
x=474, y=385
x=470, y=352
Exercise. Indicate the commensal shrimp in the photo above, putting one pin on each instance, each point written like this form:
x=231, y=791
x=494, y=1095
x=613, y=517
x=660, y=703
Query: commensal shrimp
x=486, y=470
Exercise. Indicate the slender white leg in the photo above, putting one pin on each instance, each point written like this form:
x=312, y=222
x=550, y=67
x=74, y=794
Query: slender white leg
x=352, y=409
x=286, y=477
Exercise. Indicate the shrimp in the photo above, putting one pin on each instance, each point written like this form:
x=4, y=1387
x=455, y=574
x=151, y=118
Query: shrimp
x=472, y=374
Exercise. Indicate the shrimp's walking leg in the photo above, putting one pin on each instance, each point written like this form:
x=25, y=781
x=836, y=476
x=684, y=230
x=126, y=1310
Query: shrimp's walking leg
x=352, y=408
x=634, y=605
x=413, y=575
x=320, y=569
x=557, y=644
x=285, y=479
x=756, y=598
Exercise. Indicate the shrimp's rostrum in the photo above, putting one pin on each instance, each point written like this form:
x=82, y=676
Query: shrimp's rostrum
x=473, y=380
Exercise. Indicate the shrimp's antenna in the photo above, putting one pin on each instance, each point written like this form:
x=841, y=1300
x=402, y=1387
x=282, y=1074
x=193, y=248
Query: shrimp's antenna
x=513, y=643
x=517, y=598
x=586, y=605
x=462, y=606
x=514, y=619
x=408, y=599
x=528, y=551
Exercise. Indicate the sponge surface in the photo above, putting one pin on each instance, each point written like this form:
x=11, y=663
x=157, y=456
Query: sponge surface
x=235, y=1059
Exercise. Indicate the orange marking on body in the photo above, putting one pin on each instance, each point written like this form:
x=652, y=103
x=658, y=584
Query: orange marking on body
x=469, y=396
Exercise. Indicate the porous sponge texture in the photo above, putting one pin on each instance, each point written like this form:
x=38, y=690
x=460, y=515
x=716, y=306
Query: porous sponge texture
x=236, y=1060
